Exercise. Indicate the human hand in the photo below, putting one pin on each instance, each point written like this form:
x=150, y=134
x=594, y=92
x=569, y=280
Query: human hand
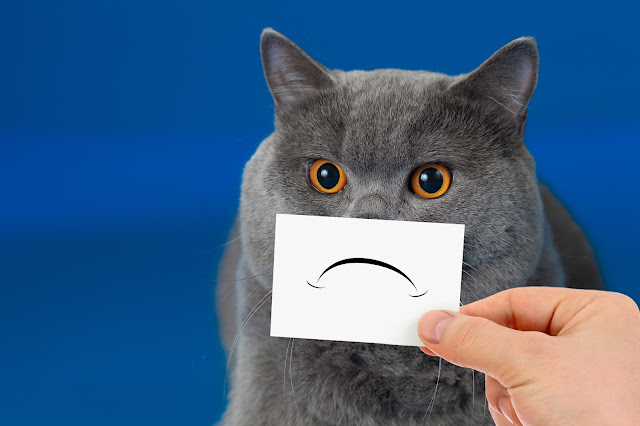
x=551, y=356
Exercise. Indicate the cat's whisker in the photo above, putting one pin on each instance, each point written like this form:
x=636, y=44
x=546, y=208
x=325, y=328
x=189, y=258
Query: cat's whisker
x=236, y=339
x=487, y=292
x=242, y=279
x=242, y=282
x=435, y=390
x=484, y=410
x=254, y=290
x=471, y=288
x=231, y=291
x=502, y=105
x=514, y=97
x=291, y=379
x=415, y=358
x=284, y=376
x=229, y=242
x=465, y=263
x=469, y=274
x=473, y=387
x=523, y=237
x=473, y=294
x=236, y=141
x=473, y=376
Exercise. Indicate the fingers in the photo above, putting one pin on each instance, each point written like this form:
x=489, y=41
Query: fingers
x=494, y=391
x=506, y=408
x=500, y=400
x=427, y=351
x=543, y=309
x=478, y=343
x=498, y=418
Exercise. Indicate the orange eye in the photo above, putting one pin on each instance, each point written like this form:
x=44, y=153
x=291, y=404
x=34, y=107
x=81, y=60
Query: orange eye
x=431, y=180
x=326, y=176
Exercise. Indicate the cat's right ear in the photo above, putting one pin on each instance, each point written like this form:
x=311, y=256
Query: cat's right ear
x=290, y=73
x=507, y=78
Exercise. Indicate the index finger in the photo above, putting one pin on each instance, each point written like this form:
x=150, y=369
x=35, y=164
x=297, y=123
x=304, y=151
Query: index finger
x=544, y=309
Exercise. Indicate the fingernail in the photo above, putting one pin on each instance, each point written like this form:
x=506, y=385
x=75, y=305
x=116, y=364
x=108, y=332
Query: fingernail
x=432, y=325
x=505, y=408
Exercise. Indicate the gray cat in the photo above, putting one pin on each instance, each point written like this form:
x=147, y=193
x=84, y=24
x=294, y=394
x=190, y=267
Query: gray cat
x=410, y=145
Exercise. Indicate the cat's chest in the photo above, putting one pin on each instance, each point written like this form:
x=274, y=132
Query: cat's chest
x=326, y=382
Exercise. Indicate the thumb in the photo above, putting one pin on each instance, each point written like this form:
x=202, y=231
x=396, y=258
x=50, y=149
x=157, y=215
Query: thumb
x=477, y=343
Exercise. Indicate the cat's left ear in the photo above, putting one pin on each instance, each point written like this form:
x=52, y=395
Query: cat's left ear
x=507, y=78
x=290, y=73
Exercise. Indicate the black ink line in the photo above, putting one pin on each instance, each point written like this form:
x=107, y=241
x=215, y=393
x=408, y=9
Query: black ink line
x=419, y=295
x=313, y=285
x=370, y=262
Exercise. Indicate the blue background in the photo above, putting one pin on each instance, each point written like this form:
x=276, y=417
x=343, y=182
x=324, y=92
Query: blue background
x=124, y=127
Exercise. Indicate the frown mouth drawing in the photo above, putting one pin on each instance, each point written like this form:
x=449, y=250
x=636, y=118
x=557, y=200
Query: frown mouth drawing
x=369, y=262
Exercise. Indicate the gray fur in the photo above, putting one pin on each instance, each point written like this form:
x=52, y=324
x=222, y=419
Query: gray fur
x=379, y=126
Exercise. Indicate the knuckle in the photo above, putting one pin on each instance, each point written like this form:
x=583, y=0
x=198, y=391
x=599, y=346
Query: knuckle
x=621, y=303
x=626, y=301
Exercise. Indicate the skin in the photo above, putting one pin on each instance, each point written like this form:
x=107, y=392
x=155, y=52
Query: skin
x=551, y=355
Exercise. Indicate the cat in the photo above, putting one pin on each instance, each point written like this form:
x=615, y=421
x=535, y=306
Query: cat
x=376, y=128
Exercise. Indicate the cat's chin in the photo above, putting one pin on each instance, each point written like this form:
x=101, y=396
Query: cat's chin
x=376, y=359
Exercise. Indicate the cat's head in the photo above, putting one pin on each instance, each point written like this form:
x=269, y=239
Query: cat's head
x=402, y=145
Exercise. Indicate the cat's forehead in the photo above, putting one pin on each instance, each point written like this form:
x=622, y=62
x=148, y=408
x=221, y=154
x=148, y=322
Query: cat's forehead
x=391, y=121
x=390, y=114
x=390, y=80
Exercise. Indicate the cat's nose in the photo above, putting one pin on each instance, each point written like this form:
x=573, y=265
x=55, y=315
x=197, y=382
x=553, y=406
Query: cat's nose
x=370, y=206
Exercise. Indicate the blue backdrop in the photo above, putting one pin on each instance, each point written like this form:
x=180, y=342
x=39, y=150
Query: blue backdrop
x=124, y=127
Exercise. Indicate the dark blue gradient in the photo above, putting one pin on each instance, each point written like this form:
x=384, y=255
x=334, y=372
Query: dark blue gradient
x=124, y=128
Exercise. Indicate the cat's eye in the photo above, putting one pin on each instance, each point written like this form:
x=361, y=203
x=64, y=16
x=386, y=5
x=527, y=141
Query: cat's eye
x=431, y=180
x=326, y=176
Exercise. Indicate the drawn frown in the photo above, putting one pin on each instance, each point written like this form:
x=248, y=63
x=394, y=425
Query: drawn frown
x=374, y=262
x=364, y=279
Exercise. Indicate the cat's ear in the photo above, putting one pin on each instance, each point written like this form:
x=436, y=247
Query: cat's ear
x=508, y=77
x=290, y=73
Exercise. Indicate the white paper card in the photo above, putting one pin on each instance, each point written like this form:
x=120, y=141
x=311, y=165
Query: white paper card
x=362, y=280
